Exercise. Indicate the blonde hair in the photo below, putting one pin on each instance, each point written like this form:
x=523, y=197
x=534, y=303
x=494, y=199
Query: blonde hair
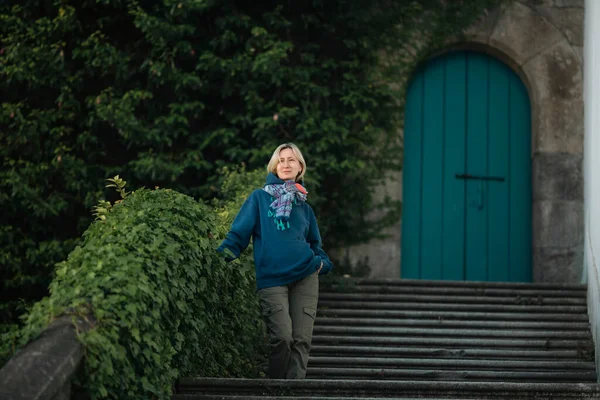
x=272, y=167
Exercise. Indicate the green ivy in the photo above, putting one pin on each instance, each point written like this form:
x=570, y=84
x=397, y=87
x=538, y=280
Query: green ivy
x=9, y=336
x=164, y=302
x=167, y=93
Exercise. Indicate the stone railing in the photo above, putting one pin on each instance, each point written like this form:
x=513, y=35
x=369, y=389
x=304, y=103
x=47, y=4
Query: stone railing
x=44, y=369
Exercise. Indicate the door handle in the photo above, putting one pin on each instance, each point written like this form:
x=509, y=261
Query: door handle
x=480, y=177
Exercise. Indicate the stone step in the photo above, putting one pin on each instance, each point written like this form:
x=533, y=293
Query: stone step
x=456, y=299
x=450, y=306
x=452, y=315
x=397, y=397
x=352, y=283
x=457, y=291
x=450, y=375
x=451, y=364
x=334, y=389
x=455, y=353
x=436, y=340
x=291, y=397
x=530, y=295
x=452, y=323
x=453, y=287
x=495, y=343
x=449, y=332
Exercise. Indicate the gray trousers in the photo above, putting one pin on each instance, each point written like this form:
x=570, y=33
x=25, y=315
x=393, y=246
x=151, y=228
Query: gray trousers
x=289, y=312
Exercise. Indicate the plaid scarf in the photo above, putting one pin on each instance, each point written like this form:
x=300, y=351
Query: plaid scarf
x=285, y=195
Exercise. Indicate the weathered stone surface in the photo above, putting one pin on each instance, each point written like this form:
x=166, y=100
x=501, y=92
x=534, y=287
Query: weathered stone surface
x=568, y=20
x=569, y=3
x=551, y=265
x=42, y=368
x=379, y=258
x=534, y=3
x=522, y=33
x=64, y=393
x=482, y=28
x=579, y=51
x=554, y=3
x=557, y=99
x=382, y=388
x=382, y=256
x=558, y=224
x=557, y=176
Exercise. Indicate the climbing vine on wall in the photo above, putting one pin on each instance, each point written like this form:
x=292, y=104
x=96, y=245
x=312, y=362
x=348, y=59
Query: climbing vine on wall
x=167, y=92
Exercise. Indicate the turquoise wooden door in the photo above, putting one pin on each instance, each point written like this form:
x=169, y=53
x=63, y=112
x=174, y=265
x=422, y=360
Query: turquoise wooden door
x=467, y=172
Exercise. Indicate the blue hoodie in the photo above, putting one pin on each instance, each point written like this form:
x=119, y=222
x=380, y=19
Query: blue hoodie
x=280, y=256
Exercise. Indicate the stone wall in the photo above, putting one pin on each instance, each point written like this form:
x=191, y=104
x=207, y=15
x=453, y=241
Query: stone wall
x=542, y=41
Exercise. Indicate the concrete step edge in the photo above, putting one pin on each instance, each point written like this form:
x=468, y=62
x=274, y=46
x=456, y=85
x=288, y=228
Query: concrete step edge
x=191, y=396
x=450, y=283
x=480, y=364
x=451, y=375
x=470, y=343
x=454, y=315
x=452, y=332
x=387, y=385
x=510, y=300
x=445, y=323
x=445, y=353
x=397, y=396
x=451, y=307
x=454, y=291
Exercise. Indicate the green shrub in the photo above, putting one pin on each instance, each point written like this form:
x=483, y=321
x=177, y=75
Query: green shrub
x=165, y=302
x=237, y=185
x=168, y=92
x=8, y=341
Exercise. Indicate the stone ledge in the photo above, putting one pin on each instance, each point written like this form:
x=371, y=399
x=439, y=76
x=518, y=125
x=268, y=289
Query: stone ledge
x=42, y=370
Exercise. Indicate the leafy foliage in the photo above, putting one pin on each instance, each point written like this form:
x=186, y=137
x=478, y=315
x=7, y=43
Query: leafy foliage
x=9, y=334
x=164, y=301
x=167, y=93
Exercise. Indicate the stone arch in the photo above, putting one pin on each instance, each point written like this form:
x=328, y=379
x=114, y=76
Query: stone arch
x=546, y=55
x=551, y=69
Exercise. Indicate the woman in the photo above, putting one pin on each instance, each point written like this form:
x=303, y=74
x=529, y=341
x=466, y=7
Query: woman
x=288, y=258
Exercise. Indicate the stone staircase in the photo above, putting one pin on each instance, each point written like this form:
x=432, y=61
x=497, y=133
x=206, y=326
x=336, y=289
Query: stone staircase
x=408, y=339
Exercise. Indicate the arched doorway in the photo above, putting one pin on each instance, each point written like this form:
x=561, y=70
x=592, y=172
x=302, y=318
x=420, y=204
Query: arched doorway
x=467, y=172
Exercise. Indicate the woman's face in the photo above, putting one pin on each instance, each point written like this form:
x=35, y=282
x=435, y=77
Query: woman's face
x=288, y=167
